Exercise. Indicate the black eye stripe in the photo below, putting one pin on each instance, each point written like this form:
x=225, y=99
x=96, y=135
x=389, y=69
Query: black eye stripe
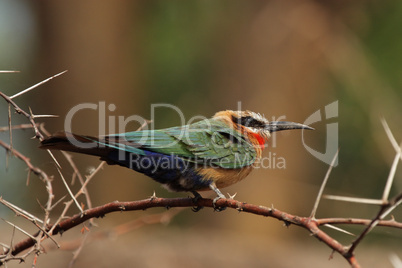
x=248, y=121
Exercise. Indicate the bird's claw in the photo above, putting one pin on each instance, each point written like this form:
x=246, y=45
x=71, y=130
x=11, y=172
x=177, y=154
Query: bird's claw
x=197, y=197
x=218, y=209
x=197, y=208
x=220, y=196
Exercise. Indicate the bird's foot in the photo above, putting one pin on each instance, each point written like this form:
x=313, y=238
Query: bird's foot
x=197, y=197
x=218, y=209
x=220, y=196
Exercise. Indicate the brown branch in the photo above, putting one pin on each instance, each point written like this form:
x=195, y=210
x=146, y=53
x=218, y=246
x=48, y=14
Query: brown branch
x=308, y=223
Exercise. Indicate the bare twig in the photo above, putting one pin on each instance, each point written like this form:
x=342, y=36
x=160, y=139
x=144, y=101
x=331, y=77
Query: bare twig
x=70, y=192
x=356, y=221
x=390, y=136
x=19, y=211
x=338, y=229
x=22, y=126
x=324, y=183
x=359, y=200
x=391, y=177
x=8, y=71
x=10, y=132
x=36, y=85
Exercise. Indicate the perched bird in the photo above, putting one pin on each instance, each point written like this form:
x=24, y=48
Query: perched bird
x=206, y=155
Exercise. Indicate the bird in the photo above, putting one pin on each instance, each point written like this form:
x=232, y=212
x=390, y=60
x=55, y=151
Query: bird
x=206, y=155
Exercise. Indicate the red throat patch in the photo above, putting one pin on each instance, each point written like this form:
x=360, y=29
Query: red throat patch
x=259, y=138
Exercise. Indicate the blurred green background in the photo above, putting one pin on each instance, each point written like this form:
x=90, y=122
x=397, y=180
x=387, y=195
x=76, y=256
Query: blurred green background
x=279, y=58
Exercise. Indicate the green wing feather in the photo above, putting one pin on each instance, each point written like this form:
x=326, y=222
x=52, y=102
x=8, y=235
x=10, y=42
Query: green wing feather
x=208, y=140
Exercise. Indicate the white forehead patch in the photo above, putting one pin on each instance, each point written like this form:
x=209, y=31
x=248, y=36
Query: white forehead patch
x=258, y=116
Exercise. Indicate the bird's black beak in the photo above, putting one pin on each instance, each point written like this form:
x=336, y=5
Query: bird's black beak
x=283, y=125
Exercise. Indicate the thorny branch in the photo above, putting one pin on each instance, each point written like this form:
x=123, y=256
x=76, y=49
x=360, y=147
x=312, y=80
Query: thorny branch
x=47, y=229
x=305, y=222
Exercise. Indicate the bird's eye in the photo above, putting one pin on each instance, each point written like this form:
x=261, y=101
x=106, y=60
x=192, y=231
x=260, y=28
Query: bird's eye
x=248, y=121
